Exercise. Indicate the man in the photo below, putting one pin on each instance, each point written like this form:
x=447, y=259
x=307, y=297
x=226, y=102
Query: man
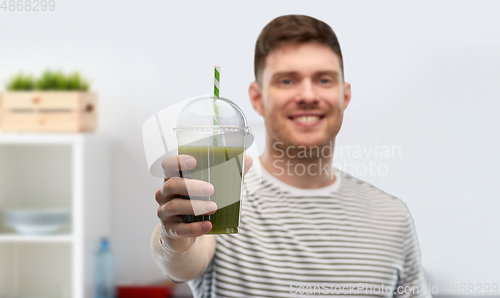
x=309, y=229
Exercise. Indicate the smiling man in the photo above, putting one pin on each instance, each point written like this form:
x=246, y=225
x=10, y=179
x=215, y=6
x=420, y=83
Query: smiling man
x=301, y=93
x=309, y=229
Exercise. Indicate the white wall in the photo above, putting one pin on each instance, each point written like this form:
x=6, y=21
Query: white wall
x=424, y=75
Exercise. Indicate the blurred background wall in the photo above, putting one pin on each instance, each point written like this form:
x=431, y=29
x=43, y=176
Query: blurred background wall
x=424, y=81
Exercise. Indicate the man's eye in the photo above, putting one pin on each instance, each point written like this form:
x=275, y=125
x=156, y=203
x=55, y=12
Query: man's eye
x=325, y=81
x=286, y=82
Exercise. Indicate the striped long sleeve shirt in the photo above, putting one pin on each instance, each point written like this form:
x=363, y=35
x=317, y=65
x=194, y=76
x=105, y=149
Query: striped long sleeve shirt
x=347, y=239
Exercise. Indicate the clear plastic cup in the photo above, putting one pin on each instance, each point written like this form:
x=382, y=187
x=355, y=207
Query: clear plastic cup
x=219, y=151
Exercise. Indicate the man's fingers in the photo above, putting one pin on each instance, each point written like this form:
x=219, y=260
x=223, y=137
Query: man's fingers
x=172, y=165
x=176, y=186
x=179, y=206
x=248, y=164
x=188, y=230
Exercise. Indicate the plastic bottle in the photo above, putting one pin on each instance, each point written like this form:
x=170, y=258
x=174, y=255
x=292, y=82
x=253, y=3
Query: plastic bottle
x=104, y=272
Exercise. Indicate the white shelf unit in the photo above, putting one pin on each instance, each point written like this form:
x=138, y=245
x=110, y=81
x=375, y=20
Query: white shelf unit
x=54, y=171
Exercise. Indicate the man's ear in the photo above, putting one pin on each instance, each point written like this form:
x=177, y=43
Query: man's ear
x=347, y=95
x=255, y=94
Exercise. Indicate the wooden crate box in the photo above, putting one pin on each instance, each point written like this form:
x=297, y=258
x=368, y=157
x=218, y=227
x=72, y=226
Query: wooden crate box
x=48, y=111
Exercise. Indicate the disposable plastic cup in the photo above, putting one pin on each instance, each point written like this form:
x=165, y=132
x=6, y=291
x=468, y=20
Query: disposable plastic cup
x=219, y=152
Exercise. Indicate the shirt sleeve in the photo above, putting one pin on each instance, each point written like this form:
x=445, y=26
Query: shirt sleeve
x=204, y=285
x=412, y=281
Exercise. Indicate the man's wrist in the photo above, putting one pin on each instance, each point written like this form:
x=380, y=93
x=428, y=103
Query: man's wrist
x=183, y=242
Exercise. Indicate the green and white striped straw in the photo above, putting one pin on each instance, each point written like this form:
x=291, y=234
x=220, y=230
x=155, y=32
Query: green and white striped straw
x=216, y=96
x=216, y=82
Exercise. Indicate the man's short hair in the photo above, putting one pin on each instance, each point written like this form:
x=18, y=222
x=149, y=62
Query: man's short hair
x=295, y=29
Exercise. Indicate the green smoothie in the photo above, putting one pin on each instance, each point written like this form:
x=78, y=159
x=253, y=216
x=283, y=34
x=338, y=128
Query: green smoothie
x=221, y=166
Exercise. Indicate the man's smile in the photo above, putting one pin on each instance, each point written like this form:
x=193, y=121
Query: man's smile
x=307, y=118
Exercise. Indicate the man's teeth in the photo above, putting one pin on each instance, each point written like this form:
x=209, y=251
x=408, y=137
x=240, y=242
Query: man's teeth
x=306, y=118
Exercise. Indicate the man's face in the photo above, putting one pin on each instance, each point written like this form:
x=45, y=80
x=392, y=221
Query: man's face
x=302, y=97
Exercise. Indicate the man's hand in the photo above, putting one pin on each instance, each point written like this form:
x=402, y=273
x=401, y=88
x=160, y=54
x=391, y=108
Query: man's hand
x=177, y=236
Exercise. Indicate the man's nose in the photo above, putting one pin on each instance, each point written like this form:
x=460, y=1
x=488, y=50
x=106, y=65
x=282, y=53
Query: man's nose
x=307, y=93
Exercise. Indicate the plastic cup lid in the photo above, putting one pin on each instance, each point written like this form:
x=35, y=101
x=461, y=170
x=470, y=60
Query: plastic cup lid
x=201, y=115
